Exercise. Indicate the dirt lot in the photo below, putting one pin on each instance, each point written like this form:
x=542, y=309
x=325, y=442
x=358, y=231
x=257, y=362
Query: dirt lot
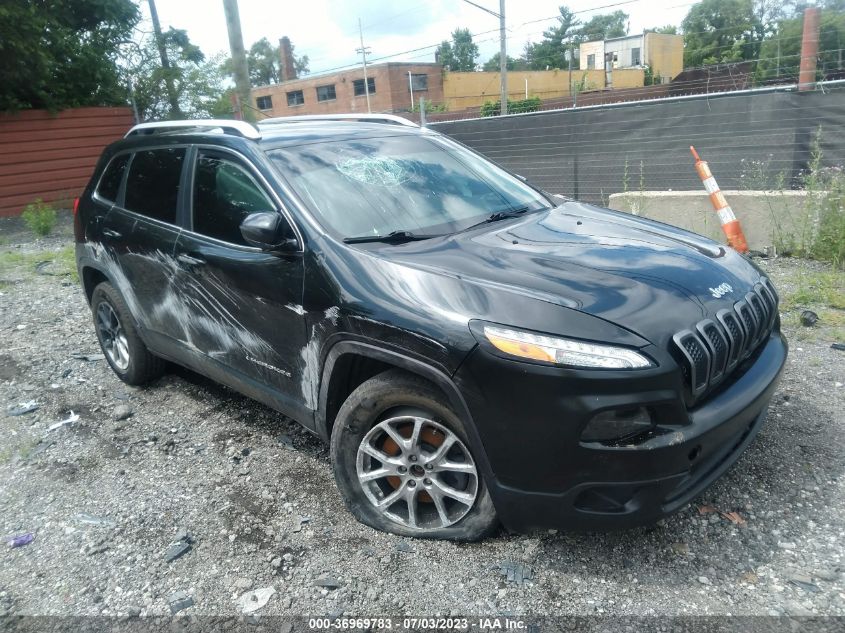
x=105, y=498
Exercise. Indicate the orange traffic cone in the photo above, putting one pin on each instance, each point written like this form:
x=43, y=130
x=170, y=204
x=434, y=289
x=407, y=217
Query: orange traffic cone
x=730, y=225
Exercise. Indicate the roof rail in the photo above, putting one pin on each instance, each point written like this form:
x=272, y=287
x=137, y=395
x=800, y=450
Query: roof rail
x=364, y=118
x=227, y=126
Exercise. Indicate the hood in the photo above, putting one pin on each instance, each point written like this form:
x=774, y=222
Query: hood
x=647, y=277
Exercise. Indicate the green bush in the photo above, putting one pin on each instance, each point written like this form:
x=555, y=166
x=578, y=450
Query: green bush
x=493, y=108
x=40, y=217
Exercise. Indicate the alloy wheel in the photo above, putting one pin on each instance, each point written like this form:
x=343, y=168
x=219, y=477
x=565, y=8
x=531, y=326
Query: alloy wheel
x=416, y=472
x=112, y=336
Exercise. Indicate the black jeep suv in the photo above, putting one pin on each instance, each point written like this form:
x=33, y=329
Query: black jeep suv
x=475, y=350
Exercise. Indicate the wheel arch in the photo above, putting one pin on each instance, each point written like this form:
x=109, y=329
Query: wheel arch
x=91, y=277
x=335, y=387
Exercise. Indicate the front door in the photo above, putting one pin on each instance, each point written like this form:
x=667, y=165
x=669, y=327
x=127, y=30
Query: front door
x=244, y=303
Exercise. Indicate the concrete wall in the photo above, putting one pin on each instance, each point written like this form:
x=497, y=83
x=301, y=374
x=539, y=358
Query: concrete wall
x=52, y=155
x=622, y=48
x=392, y=91
x=472, y=89
x=664, y=53
x=592, y=48
x=766, y=216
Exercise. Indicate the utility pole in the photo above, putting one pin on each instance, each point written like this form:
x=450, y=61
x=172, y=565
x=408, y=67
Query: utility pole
x=236, y=47
x=411, y=87
x=364, y=50
x=503, y=58
x=175, y=111
x=503, y=52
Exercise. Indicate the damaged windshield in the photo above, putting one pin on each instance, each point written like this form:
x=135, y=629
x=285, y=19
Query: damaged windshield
x=401, y=184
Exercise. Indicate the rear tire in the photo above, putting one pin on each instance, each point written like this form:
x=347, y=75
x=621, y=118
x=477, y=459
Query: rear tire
x=395, y=444
x=125, y=352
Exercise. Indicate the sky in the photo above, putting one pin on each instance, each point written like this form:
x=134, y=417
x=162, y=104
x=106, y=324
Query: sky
x=327, y=30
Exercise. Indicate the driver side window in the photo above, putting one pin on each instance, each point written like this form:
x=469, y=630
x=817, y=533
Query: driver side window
x=224, y=194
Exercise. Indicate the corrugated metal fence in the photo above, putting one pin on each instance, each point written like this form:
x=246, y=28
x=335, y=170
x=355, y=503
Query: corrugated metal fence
x=51, y=156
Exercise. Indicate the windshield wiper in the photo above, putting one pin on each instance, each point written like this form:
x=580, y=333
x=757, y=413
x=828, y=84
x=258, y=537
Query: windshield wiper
x=394, y=237
x=499, y=215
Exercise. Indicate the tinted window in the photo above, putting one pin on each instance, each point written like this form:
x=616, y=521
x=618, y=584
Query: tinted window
x=224, y=194
x=372, y=186
x=326, y=93
x=635, y=57
x=419, y=82
x=296, y=98
x=264, y=103
x=110, y=182
x=360, y=90
x=152, y=187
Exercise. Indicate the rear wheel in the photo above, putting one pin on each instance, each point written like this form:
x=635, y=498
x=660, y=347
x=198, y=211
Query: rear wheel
x=403, y=464
x=125, y=352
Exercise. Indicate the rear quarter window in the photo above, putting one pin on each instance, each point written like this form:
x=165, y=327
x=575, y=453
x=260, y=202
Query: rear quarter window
x=113, y=175
x=152, y=186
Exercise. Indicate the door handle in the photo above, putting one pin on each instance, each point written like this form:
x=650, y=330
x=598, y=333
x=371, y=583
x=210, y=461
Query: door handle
x=112, y=234
x=189, y=261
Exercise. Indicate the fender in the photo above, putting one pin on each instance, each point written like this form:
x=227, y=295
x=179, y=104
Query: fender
x=413, y=365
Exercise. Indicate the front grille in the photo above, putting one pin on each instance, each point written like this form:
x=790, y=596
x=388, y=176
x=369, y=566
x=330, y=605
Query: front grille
x=711, y=350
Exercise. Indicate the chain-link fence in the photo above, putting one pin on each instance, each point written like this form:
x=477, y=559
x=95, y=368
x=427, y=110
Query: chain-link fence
x=753, y=139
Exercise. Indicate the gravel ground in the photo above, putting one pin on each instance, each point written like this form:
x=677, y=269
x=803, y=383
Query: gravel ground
x=107, y=498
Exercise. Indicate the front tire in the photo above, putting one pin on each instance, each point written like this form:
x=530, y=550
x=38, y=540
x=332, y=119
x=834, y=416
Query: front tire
x=402, y=462
x=125, y=352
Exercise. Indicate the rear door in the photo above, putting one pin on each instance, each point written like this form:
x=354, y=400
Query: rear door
x=243, y=303
x=138, y=237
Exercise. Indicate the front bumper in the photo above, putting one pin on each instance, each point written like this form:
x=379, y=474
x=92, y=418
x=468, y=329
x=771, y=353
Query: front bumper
x=528, y=421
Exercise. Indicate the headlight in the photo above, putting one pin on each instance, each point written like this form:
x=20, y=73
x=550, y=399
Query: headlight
x=562, y=351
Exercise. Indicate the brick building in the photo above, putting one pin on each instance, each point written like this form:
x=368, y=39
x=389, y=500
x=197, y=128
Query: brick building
x=390, y=87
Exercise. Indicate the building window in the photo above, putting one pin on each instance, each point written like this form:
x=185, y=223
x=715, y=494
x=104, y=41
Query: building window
x=419, y=82
x=295, y=98
x=635, y=57
x=264, y=103
x=326, y=93
x=358, y=86
x=591, y=62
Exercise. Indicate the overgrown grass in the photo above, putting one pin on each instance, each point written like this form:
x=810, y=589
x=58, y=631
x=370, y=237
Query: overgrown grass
x=816, y=289
x=61, y=263
x=817, y=229
x=823, y=292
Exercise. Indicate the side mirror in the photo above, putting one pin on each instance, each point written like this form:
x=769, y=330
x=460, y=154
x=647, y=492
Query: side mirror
x=269, y=231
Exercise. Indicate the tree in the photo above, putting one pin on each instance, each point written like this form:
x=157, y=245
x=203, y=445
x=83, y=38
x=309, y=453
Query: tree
x=780, y=56
x=59, y=54
x=492, y=64
x=199, y=84
x=460, y=54
x=729, y=30
x=668, y=29
x=264, y=61
x=606, y=26
x=550, y=52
